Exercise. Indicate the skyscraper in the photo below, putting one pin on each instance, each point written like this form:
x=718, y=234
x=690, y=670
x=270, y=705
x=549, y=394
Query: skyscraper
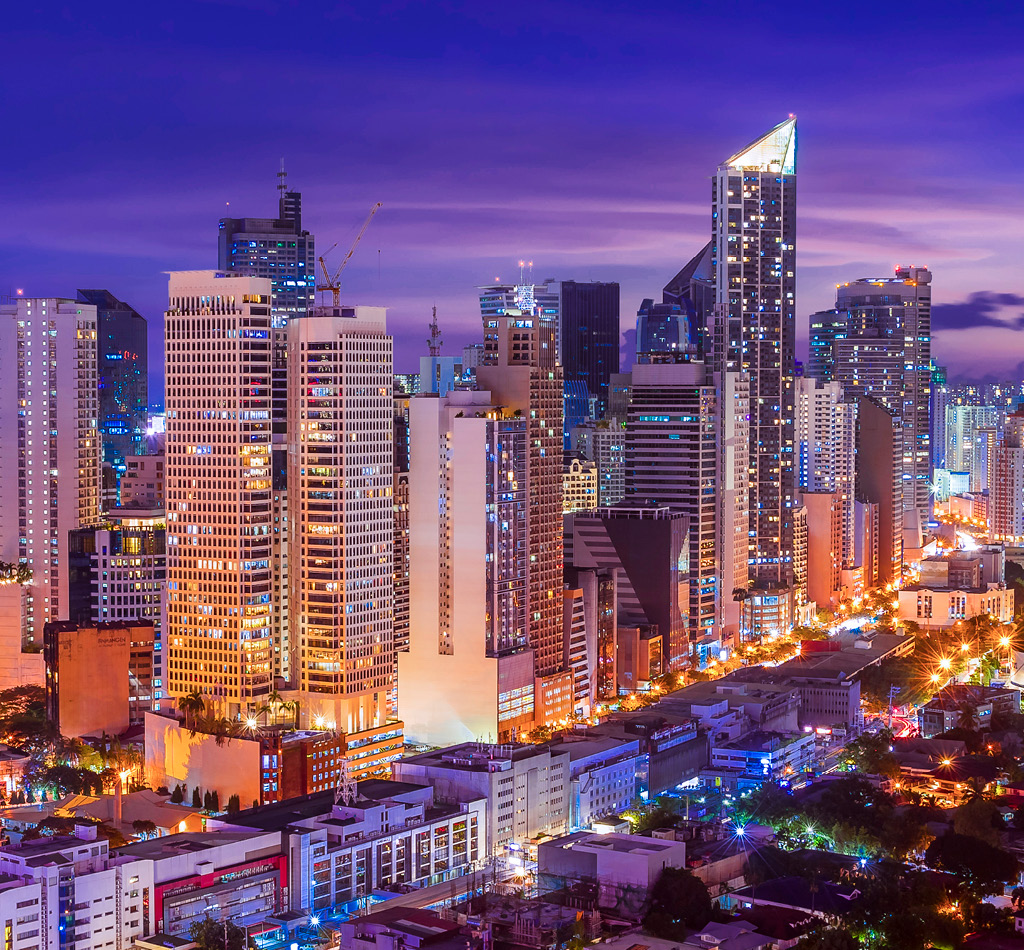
x=50, y=463
x=693, y=291
x=218, y=638
x=754, y=262
x=340, y=488
x=122, y=369
x=826, y=326
x=899, y=308
x=588, y=335
x=1006, y=488
x=521, y=372
x=662, y=328
x=281, y=251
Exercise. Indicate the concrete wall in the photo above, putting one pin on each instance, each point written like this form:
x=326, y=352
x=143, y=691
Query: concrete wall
x=173, y=757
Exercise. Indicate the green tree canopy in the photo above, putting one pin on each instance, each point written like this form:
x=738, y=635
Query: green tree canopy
x=679, y=900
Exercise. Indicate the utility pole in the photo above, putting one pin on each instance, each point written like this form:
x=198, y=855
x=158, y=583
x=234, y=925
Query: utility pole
x=893, y=690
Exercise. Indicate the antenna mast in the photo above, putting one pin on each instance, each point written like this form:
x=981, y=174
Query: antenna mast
x=282, y=183
x=435, y=341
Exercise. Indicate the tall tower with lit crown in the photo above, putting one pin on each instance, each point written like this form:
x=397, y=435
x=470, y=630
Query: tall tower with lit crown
x=754, y=264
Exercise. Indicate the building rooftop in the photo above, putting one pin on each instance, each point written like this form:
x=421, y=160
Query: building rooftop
x=476, y=756
x=188, y=842
x=614, y=841
x=797, y=893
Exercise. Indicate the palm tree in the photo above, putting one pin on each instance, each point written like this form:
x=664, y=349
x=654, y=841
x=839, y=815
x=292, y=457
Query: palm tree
x=193, y=706
x=273, y=703
x=968, y=716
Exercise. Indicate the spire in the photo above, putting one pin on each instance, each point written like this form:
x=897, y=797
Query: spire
x=775, y=151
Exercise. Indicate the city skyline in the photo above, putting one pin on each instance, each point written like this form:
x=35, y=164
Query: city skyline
x=599, y=200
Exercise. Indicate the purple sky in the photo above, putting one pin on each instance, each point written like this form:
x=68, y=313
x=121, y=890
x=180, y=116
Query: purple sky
x=579, y=135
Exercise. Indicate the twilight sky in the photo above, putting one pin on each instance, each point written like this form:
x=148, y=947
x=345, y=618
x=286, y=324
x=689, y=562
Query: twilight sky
x=579, y=135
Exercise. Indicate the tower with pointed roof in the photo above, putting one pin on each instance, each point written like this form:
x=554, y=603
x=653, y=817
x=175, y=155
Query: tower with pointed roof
x=753, y=259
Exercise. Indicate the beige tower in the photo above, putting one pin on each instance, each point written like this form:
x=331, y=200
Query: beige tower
x=218, y=487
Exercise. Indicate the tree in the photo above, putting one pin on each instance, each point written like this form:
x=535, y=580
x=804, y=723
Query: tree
x=968, y=716
x=178, y=795
x=207, y=801
x=980, y=865
x=828, y=938
x=679, y=900
x=215, y=801
x=197, y=802
x=980, y=819
x=193, y=706
x=210, y=935
x=234, y=805
x=143, y=826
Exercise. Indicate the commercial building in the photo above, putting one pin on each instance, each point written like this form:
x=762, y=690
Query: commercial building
x=279, y=250
x=588, y=336
x=527, y=787
x=118, y=575
x=624, y=867
x=663, y=328
x=469, y=549
x=941, y=606
x=50, y=465
x=341, y=518
x=122, y=374
x=142, y=484
x=604, y=443
x=646, y=550
x=1006, y=488
x=879, y=473
x=522, y=374
x=965, y=705
x=765, y=756
x=219, y=489
x=754, y=263
x=672, y=459
x=825, y=327
x=579, y=484
x=80, y=703
x=899, y=308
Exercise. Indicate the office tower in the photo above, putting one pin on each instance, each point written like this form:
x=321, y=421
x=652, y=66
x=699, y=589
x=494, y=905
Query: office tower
x=754, y=262
x=693, y=291
x=50, y=463
x=662, y=328
x=646, y=550
x=899, y=308
x=401, y=529
x=880, y=482
x=522, y=374
x=826, y=434
x=281, y=251
x=963, y=422
x=122, y=370
x=672, y=458
x=142, y=484
x=604, y=443
x=588, y=336
x=218, y=636
x=470, y=670
x=1006, y=489
x=118, y=575
x=826, y=326
x=940, y=399
x=870, y=364
x=340, y=500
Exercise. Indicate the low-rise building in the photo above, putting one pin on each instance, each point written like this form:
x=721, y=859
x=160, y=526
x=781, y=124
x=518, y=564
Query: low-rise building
x=767, y=756
x=602, y=772
x=965, y=705
x=941, y=607
x=624, y=867
x=527, y=787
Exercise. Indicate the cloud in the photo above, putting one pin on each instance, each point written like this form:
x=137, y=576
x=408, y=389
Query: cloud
x=985, y=308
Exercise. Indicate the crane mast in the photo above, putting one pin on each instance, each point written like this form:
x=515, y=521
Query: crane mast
x=333, y=283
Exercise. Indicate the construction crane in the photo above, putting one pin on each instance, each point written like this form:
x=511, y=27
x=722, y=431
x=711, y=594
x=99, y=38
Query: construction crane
x=331, y=283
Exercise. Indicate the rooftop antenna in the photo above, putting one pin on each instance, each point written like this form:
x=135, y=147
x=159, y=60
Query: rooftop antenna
x=522, y=267
x=282, y=184
x=434, y=343
x=345, y=793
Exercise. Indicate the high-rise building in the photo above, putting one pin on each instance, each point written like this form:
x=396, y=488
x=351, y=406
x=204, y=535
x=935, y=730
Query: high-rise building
x=521, y=372
x=604, y=443
x=693, y=291
x=50, y=463
x=219, y=486
x=754, y=262
x=281, y=251
x=826, y=327
x=1006, y=486
x=469, y=673
x=122, y=371
x=341, y=520
x=672, y=458
x=662, y=328
x=880, y=483
x=940, y=399
x=588, y=336
x=826, y=437
x=898, y=308
x=118, y=575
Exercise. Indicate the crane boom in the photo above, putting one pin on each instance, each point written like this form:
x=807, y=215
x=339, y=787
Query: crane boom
x=331, y=283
